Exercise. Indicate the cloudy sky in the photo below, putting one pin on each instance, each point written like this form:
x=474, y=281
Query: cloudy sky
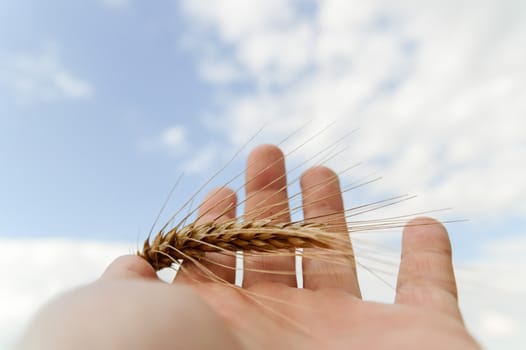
x=104, y=103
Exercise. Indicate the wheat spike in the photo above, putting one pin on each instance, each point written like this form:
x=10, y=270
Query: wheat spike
x=256, y=236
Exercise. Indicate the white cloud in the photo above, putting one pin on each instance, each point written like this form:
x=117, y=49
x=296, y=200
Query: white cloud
x=218, y=72
x=193, y=154
x=491, y=292
x=439, y=94
x=174, y=137
x=495, y=324
x=41, y=78
x=173, y=140
x=504, y=257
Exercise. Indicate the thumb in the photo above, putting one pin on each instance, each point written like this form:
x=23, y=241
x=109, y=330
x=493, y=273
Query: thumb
x=129, y=266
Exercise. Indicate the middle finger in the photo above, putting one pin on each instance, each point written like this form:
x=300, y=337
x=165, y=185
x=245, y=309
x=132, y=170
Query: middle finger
x=266, y=197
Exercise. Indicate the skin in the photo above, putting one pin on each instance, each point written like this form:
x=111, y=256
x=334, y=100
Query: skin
x=129, y=308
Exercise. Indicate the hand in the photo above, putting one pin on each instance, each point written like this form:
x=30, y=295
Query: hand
x=128, y=308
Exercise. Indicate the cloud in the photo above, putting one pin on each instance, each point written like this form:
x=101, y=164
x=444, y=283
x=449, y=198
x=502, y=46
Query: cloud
x=41, y=78
x=491, y=293
x=218, y=72
x=495, y=324
x=438, y=94
x=194, y=156
x=174, y=138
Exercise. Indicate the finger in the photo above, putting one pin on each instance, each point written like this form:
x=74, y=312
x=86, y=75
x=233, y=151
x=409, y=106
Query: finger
x=218, y=206
x=323, y=203
x=129, y=266
x=426, y=277
x=266, y=193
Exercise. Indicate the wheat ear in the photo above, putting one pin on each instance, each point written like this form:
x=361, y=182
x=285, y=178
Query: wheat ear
x=256, y=236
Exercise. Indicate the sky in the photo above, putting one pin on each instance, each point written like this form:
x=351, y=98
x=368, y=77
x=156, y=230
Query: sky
x=105, y=103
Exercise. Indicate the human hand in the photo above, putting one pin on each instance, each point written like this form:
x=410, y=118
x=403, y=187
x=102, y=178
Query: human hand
x=129, y=308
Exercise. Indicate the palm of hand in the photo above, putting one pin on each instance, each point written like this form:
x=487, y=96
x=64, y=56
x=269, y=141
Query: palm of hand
x=332, y=319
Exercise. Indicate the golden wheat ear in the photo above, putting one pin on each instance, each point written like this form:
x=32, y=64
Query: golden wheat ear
x=257, y=237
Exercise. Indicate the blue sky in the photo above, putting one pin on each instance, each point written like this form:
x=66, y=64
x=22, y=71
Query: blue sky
x=76, y=165
x=73, y=166
x=104, y=103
